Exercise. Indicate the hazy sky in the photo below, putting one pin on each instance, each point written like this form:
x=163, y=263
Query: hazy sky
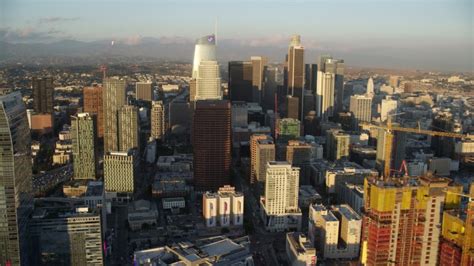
x=345, y=24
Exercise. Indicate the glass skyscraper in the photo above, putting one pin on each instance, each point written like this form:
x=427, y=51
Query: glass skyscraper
x=15, y=180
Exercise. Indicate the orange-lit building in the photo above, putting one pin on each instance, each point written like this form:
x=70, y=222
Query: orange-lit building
x=93, y=105
x=42, y=123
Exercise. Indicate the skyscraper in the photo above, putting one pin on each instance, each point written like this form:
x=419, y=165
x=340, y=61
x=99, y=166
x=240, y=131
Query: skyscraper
x=291, y=107
x=15, y=181
x=398, y=149
x=361, y=107
x=157, y=120
x=370, y=87
x=93, y=105
x=128, y=128
x=279, y=206
x=205, y=50
x=113, y=99
x=296, y=70
x=325, y=95
x=208, y=81
x=401, y=220
x=330, y=87
x=84, y=150
x=240, y=81
x=254, y=158
x=120, y=170
x=258, y=78
x=212, y=144
x=144, y=91
x=43, y=95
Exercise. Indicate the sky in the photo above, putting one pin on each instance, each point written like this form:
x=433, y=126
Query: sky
x=416, y=25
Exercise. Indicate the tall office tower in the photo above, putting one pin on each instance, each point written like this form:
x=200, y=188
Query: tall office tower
x=337, y=145
x=330, y=87
x=253, y=155
x=67, y=236
x=296, y=72
x=15, y=181
x=157, y=120
x=192, y=91
x=205, y=50
x=212, y=144
x=208, y=81
x=240, y=114
x=311, y=77
x=370, y=87
x=388, y=108
x=144, y=91
x=43, y=95
x=84, y=149
x=401, y=220
x=120, y=170
x=279, y=206
x=258, y=71
x=288, y=128
x=270, y=87
x=335, y=231
x=361, y=108
x=309, y=102
x=128, y=128
x=240, y=81
x=325, y=95
x=398, y=149
x=264, y=153
x=113, y=98
x=93, y=105
x=291, y=107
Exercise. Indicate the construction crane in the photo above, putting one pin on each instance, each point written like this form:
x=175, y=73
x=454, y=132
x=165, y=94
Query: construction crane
x=390, y=129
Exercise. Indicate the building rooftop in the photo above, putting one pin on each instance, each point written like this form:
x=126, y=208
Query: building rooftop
x=347, y=212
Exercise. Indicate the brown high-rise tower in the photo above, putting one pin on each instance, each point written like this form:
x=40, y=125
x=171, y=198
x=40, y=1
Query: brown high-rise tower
x=43, y=95
x=296, y=70
x=212, y=144
x=93, y=105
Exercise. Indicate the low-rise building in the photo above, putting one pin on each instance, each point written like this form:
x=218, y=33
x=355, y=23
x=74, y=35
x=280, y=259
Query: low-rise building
x=141, y=213
x=217, y=250
x=226, y=207
x=299, y=250
x=173, y=203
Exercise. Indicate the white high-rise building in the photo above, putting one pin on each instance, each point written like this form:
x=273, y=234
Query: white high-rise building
x=205, y=50
x=208, y=81
x=226, y=207
x=370, y=87
x=325, y=94
x=361, y=107
x=388, y=107
x=279, y=206
x=327, y=226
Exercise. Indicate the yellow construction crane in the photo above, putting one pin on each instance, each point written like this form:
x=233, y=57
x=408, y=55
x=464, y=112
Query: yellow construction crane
x=389, y=129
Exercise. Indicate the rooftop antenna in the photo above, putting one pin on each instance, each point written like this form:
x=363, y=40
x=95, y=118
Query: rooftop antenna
x=215, y=31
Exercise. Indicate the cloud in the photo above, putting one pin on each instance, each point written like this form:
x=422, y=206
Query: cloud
x=47, y=20
x=29, y=34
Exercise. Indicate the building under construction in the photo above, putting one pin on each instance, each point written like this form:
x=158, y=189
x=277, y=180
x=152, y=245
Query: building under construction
x=457, y=237
x=401, y=219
